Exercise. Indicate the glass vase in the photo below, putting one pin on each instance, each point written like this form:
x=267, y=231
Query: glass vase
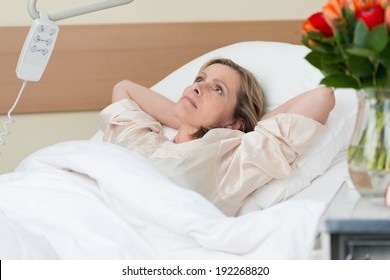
x=369, y=150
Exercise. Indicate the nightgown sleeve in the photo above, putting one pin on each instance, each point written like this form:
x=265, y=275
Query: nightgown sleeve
x=125, y=124
x=266, y=153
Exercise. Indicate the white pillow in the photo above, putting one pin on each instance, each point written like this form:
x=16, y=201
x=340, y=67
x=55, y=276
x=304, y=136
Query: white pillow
x=283, y=73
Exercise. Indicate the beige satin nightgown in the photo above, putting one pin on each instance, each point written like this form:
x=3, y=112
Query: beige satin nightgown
x=225, y=166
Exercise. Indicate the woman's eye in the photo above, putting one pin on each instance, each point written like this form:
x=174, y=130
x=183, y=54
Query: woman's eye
x=218, y=90
x=198, y=79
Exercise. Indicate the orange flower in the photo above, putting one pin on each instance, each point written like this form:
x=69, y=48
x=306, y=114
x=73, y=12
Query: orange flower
x=386, y=5
x=333, y=11
x=351, y=4
x=387, y=17
x=384, y=2
x=307, y=26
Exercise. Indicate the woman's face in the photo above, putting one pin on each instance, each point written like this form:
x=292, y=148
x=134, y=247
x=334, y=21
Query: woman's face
x=210, y=101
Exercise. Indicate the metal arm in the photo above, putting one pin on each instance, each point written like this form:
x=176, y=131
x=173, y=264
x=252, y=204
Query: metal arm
x=76, y=11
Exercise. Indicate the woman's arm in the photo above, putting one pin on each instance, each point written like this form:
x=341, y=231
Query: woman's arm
x=152, y=103
x=316, y=104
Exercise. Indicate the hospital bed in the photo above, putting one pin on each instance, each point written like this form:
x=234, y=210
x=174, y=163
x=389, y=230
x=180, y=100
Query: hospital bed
x=92, y=200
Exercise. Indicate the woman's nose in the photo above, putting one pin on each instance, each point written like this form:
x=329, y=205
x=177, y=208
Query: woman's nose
x=197, y=89
x=201, y=87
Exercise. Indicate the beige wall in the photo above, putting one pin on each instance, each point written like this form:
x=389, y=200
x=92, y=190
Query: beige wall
x=34, y=131
x=15, y=12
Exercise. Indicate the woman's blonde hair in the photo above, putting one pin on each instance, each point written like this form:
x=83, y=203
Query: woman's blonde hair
x=250, y=98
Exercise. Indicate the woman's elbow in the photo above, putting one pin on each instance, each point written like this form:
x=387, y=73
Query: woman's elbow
x=120, y=90
x=326, y=104
x=330, y=99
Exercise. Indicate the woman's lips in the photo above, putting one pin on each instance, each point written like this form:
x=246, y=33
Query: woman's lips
x=190, y=100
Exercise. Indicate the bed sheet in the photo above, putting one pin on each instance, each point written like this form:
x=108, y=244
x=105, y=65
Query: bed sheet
x=95, y=200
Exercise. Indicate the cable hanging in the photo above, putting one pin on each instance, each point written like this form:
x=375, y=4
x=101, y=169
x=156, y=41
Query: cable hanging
x=10, y=120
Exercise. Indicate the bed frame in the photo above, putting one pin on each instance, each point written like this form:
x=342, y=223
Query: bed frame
x=89, y=59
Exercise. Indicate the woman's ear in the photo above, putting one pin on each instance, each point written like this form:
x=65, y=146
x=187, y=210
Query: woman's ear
x=236, y=125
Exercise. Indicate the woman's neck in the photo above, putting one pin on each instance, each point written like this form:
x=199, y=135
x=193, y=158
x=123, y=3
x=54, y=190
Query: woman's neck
x=182, y=136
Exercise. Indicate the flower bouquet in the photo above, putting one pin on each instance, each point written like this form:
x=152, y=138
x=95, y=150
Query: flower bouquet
x=349, y=44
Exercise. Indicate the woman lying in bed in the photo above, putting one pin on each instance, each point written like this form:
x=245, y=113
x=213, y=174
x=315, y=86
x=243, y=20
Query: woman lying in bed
x=225, y=147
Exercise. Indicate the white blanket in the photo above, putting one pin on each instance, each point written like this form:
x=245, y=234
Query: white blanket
x=94, y=200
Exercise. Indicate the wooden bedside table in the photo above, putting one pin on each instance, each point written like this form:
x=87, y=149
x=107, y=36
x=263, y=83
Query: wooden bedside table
x=356, y=227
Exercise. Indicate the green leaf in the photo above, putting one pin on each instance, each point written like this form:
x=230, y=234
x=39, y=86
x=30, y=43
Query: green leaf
x=361, y=52
x=314, y=58
x=321, y=43
x=322, y=48
x=349, y=16
x=384, y=57
x=305, y=41
x=340, y=81
x=367, y=82
x=361, y=66
x=331, y=69
x=360, y=34
x=331, y=59
x=348, y=26
x=315, y=35
x=378, y=38
x=381, y=76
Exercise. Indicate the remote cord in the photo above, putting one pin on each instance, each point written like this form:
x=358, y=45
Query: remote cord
x=10, y=120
